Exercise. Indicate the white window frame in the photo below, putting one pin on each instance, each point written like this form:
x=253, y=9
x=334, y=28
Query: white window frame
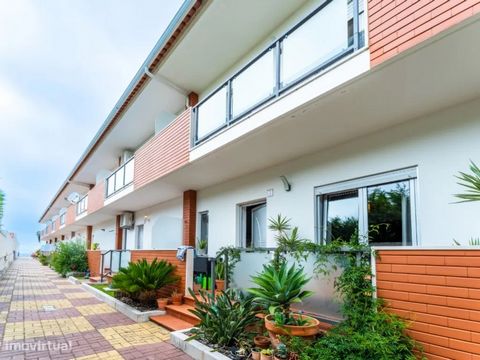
x=242, y=219
x=361, y=184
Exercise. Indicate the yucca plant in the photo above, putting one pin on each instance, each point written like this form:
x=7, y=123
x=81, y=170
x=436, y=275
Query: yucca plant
x=279, y=286
x=224, y=319
x=141, y=280
x=471, y=182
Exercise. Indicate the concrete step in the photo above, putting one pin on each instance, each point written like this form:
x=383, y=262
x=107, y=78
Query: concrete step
x=170, y=322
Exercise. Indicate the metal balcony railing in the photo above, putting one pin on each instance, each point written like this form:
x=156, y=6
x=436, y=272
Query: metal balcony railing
x=332, y=31
x=119, y=179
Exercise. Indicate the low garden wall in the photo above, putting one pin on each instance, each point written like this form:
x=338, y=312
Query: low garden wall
x=94, y=259
x=439, y=291
x=168, y=255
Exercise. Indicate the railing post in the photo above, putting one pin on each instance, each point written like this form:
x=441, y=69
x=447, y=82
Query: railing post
x=212, y=270
x=226, y=271
x=111, y=259
x=102, y=268
x=356, y=26
x=120, y=260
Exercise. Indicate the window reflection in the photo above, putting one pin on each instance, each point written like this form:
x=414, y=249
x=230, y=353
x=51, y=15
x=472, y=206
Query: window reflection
x=342, y=215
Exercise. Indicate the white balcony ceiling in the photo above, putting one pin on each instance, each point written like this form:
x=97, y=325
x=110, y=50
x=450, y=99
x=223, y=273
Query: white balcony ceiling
x=224, y=32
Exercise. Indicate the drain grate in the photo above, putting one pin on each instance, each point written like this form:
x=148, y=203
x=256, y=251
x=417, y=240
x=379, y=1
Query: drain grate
x=49, y=308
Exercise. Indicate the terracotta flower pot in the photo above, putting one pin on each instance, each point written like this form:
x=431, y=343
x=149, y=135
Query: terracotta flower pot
x=255, y=355
x=308, y=330
x=196, y=288
x=220, y=285
x=262, y=342
x=177, y=299
x=162, y=303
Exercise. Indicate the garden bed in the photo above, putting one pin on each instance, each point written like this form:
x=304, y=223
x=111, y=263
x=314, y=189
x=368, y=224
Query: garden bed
x=126, y=309
x=195, y=348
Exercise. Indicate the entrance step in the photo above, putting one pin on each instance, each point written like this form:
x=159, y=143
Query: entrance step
x=170, y=322
x=94, y=279
x=182, y=312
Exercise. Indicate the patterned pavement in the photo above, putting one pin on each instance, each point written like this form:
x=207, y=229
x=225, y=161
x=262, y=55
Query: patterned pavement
x=43, y=316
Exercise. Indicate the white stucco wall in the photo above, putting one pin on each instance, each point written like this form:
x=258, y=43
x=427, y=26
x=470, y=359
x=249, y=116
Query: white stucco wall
x=440, y=144
x=104, y=235
x=163, y=226
x=7, y=246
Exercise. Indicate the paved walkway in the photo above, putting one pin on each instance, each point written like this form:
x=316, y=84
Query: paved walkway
x=44, y=316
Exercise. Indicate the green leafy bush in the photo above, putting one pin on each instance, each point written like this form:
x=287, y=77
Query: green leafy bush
x=224, y=320
x=70, y=256
x=44, y=259
x=141, y=280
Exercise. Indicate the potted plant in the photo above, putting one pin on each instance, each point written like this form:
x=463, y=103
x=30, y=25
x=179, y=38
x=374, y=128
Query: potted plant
x=95, y=246
x=162, y=303
x=220, y=274
x=281, y=352
x=262, y=342
x=256, y=353
x=279, y=286
x=202, y=247
x=177, y=298
x=266, y=354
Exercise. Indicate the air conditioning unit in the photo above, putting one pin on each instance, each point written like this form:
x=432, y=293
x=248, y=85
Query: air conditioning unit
x=126, y=220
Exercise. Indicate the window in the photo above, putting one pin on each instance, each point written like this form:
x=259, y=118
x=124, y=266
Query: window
x=253, y=225
x=204, y=225
x=139, y=237
x=380, y=208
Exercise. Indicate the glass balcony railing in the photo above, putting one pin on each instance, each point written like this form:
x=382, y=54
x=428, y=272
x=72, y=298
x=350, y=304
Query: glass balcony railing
x=119, y=179
x=82, y=205
x=332, y=31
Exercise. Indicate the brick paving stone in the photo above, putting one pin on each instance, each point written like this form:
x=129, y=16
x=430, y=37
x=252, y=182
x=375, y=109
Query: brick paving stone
x=44, y=316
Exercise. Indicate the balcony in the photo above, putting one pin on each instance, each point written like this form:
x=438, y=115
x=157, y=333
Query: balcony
x=82, y=206
x=331, y=32
x=119, y=179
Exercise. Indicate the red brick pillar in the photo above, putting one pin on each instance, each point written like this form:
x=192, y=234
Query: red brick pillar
x=192, y=99
x=189, y=217
x=89, y=236
x=118, y=234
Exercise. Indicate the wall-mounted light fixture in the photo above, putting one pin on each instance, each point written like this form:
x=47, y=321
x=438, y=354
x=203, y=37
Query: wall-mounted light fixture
x=286, y=184
x=146, y=219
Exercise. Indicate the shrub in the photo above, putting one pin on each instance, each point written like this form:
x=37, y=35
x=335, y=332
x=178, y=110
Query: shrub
x=44, y=259
x=225, y=319
x=141, y=280
x=70, y=256
x=279, y=287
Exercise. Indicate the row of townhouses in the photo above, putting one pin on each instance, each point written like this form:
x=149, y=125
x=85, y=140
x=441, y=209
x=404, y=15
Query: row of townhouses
x=338, y=114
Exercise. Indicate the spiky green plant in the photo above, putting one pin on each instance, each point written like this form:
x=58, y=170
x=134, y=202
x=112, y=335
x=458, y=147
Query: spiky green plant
x=471, y=182
x=474, y=242
x=141, y=280
x=279, y=287
x=224, y=319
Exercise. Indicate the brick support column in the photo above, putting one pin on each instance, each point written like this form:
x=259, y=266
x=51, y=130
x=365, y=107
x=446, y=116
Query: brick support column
x=118, y=234
x=89, y=237
x=189, y=217
x=192, y=99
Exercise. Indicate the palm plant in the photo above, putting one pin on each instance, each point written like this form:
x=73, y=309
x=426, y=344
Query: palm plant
x=141, y=280
x=471, y=182
x=279, y=287
x=224, y=319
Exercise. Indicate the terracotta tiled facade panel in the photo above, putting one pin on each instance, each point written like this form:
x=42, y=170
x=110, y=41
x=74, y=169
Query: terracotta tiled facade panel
x=168, y=255
x=96, y=197
x=189, y=217
x=94, y=258
x=165, y=152
x=439, y=291
x=70, y=217
x=396, y=25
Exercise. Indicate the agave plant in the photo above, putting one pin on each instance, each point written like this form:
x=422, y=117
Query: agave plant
x=471, y=182
x=141, y=280
x=224, y=319
x=279, y=287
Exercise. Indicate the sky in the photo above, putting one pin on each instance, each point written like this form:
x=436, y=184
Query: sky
x=63, y=66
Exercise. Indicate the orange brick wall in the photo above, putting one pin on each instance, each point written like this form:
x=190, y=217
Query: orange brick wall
x=396, y=25
x=94, y=260
x=168, y=255
x=96, y=197
x=165, y=152
x=439, y=291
